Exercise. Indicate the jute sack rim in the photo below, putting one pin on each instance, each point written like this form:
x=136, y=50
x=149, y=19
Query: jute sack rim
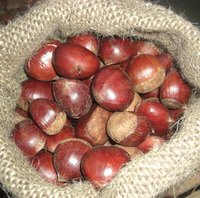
x=145, y=177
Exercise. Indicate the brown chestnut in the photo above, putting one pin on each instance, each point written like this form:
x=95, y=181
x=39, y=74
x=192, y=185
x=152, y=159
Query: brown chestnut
x=74, y=61
x=53, y=140
x=28, y=137
x=67, y=158
x=40, y=66
x=115, y=50
x=112, y=89
x=128, y=129
x=73, y=96
x=47, y=115
x=88, y=40
x=92, y=126
x=33, y=89
x=174, y=92
x=146, y=73
x=101, y=164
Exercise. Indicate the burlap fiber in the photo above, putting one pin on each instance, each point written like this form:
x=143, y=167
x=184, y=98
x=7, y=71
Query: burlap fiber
x=145, y=177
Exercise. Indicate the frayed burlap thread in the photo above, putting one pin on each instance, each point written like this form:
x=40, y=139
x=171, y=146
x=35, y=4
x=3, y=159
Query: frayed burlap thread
x=144, y=177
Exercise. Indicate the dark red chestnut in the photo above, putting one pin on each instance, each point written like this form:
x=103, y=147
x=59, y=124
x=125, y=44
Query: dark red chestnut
x=47, y=115
x=73, y=96
x=146, y=73
x=101, y=164
x=151, y=142
x=67, y=158
x=34, y=89
x=21, y=112
x=112, y=89
x=174, y=92
x=145, y=47
x=89, y=41
x=92, y=126
x=157, y=114
x=40, y=66
x=166, y=60
x=43, y=163
x=153, y=94
x=53, y=140
x=28, y=137
x=115, y=50
x=128, y=129
x=74, y=61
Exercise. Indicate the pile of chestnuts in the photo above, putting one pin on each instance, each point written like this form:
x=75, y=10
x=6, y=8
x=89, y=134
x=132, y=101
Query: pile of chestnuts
x=91, y=104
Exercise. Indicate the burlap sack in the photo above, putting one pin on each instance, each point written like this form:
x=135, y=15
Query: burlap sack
x=145, y=177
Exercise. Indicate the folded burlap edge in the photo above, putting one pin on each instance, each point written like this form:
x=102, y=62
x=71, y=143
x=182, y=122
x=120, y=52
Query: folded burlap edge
x=145, y=177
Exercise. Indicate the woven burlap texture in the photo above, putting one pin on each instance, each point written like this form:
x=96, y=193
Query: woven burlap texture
x=144, y=177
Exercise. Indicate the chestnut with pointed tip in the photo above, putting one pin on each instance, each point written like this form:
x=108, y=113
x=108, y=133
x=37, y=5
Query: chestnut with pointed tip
x=102, y=163
x=151, y=142
x=33, y=89
x=67, y=158
x=73, y=96
x=28, y=137
x=146, y=73
x=128, y=129
x=88, y=40
x=47, y=115
x=115, y=50
x=53, y=140
x=92, y=126
x=43, y=163
x=157, y=114
x=112, y=89
x=74, y=61
x=40, y=66
x=174, y=92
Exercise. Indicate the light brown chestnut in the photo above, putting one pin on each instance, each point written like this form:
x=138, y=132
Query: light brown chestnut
x=128, y=129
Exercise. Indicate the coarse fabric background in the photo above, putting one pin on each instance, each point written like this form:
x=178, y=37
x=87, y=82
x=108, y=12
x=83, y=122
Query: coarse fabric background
x=148, y=176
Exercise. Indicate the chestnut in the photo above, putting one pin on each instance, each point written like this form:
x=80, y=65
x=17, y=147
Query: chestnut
x=92, y=126
x=115, y=50
x=101, y=164
x=145, y=47
x=128, y=129
x=28, y=137
x=43, y=163
x=166, y=60
x=73, y=96
x=153, y=94
x=67, y=158
x=21, y=112
x=47, y=115
x=146, y=73
x=112, y=89
x=33, y=89
x=74, y=61
x=151, y=142
x=88, y=40
x=157, y=114
x=53, y=140
x=39, y=66
x=174, y=92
